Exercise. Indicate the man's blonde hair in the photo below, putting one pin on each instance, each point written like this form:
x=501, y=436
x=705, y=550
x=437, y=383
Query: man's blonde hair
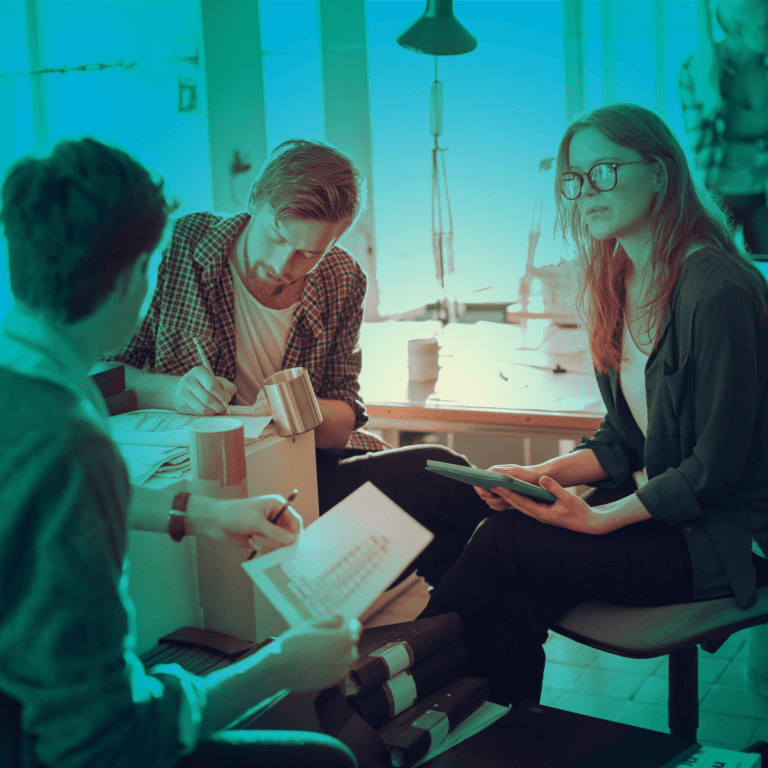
x=309, y=180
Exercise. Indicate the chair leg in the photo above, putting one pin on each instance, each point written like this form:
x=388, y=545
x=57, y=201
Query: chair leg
x=683, y=708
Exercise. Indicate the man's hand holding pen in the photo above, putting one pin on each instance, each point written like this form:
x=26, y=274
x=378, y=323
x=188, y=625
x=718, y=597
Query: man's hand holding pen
x=201, y=393
x=257, y=540
x=256, y=523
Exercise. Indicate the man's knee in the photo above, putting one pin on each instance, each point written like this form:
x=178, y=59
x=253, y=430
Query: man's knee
x=441, y=453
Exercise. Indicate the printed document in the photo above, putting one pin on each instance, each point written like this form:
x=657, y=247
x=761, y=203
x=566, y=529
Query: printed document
x=145, y=461
x=154, y=426
x=156, y=442
x=343, y=561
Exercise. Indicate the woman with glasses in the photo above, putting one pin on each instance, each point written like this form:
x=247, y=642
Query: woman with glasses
x=678, y=328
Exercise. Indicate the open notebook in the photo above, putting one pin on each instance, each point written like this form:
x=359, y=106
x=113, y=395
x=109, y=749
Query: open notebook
x=342, y=562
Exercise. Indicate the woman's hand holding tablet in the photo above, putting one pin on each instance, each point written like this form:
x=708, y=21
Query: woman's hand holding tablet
x=551, y=505
x=483, y=478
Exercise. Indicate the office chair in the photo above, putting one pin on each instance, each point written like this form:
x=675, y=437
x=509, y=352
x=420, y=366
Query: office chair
x=674, y=630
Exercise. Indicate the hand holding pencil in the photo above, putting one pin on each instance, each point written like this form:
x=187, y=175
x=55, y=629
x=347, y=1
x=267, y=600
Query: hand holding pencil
x=263, y=523
x=200, y=391
x=256, y=541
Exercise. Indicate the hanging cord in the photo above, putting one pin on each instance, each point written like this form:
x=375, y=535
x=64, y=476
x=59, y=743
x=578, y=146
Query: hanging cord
x=442, y=239
x=437, y=219
x=436, y=128
x=448, y=235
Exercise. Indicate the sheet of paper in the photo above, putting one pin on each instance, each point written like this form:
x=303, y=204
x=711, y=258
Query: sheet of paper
x=397, y=605
x=342, y=562
x=169, y=428
x=143, y=461
x=476, y=722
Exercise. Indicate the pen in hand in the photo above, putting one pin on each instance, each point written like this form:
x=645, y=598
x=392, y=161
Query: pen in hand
x=204, y=362
x=279, y=514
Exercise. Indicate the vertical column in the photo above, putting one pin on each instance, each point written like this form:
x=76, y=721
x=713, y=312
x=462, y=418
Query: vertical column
x=347, y=114
x=574, y=59
x=658, y=42
x=605, y=32
x=35, y=81
x=235, y=91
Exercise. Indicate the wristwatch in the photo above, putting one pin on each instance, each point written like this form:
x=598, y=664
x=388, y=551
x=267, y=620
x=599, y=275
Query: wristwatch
x=177, y=519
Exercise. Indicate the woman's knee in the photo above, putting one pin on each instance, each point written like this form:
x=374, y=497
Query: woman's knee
x=491, y=531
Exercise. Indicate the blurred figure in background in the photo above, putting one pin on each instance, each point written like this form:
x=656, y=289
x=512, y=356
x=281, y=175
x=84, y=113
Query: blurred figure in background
x=724, y=95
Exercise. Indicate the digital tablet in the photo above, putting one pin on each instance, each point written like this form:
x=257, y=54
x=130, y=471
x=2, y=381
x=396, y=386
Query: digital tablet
x=486, y=479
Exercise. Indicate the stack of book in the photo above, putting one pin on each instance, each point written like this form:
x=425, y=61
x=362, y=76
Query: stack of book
x=409, y=684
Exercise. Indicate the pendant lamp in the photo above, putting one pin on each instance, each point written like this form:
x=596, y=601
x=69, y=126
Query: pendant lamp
x=438, y=32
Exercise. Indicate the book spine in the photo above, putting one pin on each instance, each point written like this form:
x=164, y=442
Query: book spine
x=442, y=633
x=411, y=735
x=419, y=643
x=381, y=665
x=410, y=744
x=410, y=686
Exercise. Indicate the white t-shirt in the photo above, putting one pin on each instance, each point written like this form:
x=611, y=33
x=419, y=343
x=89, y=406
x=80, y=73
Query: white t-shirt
x=261, y=335
x=632, y=377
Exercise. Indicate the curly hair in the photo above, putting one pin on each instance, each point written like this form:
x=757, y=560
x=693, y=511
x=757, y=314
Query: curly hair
x=74, y=221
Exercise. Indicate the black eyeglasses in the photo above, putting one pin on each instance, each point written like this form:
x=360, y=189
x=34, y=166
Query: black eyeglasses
x=602, y=178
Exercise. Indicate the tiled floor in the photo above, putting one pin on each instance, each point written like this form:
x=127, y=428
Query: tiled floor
x=634, y=691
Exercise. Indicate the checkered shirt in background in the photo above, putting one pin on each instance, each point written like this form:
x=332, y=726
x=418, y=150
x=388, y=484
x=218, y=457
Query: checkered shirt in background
x=195, y=297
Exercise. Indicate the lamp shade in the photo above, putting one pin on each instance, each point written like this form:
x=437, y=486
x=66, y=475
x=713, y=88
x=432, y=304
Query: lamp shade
x=437, y=32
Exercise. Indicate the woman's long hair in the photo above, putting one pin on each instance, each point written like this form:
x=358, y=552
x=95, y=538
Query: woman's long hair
x=679, y=218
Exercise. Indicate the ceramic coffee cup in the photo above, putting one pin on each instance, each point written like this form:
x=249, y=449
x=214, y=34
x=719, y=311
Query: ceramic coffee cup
x=217, y=454
x=422, y=359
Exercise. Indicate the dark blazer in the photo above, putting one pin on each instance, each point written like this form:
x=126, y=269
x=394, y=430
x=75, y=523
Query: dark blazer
x=706, y=452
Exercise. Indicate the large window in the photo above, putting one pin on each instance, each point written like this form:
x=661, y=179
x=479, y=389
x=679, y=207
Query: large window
x=504, y=108
x=504, y=111
x=293, y=88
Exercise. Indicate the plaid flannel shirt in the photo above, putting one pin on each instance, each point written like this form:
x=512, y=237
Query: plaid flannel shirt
x=195, y=297
x=706, y=132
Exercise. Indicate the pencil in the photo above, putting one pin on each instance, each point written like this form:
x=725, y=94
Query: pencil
x=204, y=362
x=282, y=509
x=279, y=514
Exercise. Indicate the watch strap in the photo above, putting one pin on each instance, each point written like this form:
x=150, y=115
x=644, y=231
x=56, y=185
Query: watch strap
x=177, y=519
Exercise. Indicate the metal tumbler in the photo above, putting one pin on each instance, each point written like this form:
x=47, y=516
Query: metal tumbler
x=292, y=401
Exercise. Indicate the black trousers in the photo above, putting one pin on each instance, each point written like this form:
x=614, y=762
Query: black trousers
x=517, y=576
x=451, y=510
x=751, y=212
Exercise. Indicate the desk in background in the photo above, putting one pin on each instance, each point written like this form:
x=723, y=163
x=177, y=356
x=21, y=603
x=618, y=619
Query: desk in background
x=487, y=383
x=199, y=582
